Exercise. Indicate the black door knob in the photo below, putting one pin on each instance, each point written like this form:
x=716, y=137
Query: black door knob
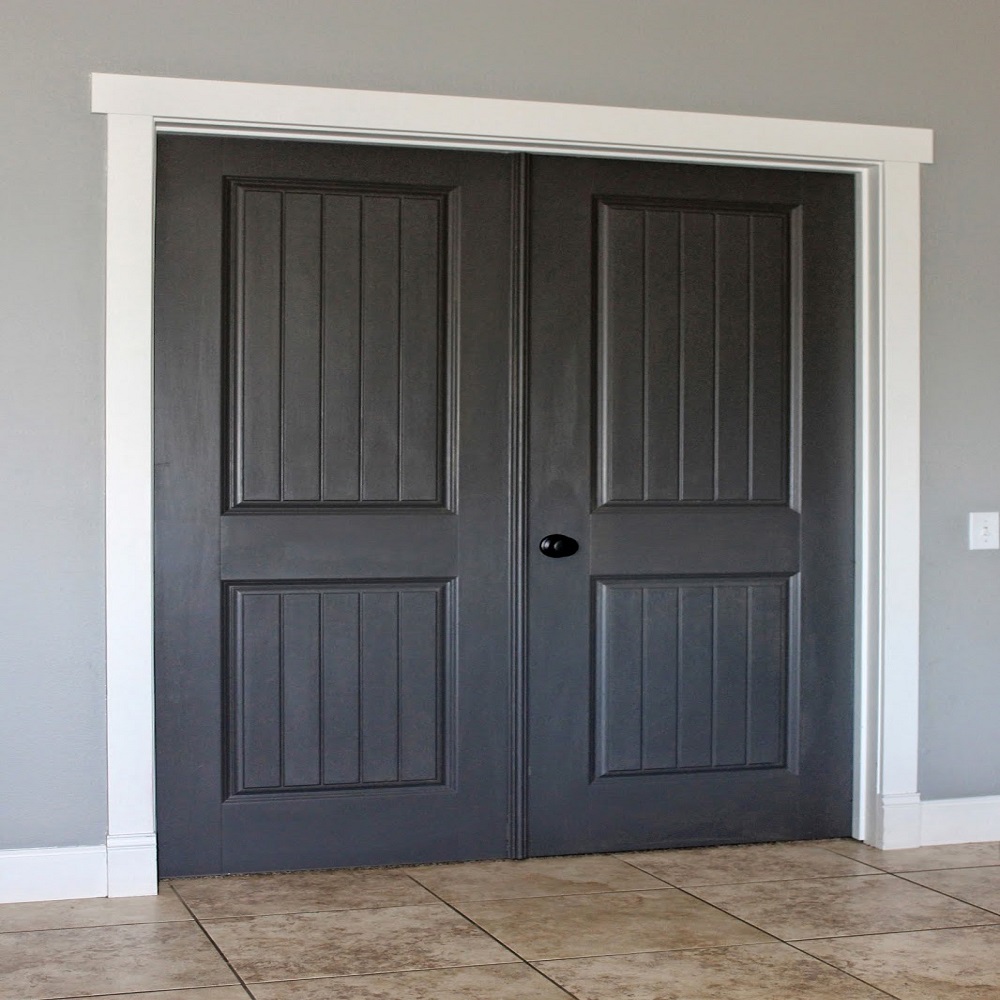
x=558, y=546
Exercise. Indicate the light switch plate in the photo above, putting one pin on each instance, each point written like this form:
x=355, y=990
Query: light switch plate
x=984, y=530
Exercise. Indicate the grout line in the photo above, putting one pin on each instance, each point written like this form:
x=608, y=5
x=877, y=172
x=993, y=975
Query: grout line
x=912, y=930
x=824, y=847
x=837, y=968
x=385, y=972
x=948, y=895
x=659, y=878
x=176, y=989
x=659, y=951
x=908, y=871
x=326, y=909
x=734, y=947
x=946, y=868
x=775, y=938
x=85, y=927
x=520, y=959
x=746, y=881
x=242, y=982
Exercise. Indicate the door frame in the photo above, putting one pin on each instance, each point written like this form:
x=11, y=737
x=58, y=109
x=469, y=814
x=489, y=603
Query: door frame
x=885, y=162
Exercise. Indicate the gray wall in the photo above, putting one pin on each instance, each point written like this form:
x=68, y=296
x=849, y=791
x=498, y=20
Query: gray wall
x=906, y=62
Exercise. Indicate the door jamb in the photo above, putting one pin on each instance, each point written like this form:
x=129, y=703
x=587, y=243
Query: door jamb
x=885, y=162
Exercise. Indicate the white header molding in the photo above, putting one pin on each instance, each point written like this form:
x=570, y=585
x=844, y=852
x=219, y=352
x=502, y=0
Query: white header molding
x=885, y=162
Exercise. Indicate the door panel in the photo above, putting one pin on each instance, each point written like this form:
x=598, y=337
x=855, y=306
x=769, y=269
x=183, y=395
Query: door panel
x=712, y=272
x=688, y=682
x=338, y=293
x=332, y=540
x=690, y=675
x=338, y=686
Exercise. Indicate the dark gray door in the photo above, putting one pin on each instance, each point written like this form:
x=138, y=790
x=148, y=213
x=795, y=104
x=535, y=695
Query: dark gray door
x=332, y=640
x=692, y=403
x=339, y=549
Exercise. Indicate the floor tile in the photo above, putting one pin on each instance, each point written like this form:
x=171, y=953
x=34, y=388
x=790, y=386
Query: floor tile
x=607, y=924
x=91, y=961
x=211, y=993
x=750, y=863
x=758, y=972
x=534, y=877
x=961, y=964
x=979, y=886
x=917, y=859
x=351, y=942
x=298, y=892
x=830, y=907
x=490, y=982
x=92, y=912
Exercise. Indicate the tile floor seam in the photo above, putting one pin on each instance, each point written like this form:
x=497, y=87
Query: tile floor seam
x=914, y=871
x=546, y=895
x=519, y=958
x=864, y=982
x=927, y=871
x=707, y=885
x=915, y=930
x=732, y=947
x=83, y=927
x=832, y=850
x=733, y=915
x=771, y=881
x=832, y=937
x=225, y=958
x=660, y=951
x=830, y=878
x=930, y=871
x=299, y=913
x=370, y=975
x=174, y=989
x=659, y=878
x=958, y=899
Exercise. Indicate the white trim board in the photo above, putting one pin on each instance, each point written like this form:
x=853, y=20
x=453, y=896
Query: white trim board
x=909, y=821
x=121, y=867
x=435, y=119
x=53, y=873
x=960, y=821
x=885, y=162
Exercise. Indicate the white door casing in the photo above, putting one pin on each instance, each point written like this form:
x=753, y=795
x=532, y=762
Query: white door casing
x=885, y=162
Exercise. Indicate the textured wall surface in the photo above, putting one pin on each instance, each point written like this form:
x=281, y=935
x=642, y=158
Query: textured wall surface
x=928, y=63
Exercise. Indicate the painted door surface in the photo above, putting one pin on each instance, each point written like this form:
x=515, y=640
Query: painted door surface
x=338, y=545
x=691, y=413
x=332, y=640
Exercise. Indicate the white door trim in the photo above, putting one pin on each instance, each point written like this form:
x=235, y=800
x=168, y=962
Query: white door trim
x=885, y=162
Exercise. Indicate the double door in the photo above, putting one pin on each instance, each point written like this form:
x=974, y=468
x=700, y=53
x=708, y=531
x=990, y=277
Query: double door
x=382, y=377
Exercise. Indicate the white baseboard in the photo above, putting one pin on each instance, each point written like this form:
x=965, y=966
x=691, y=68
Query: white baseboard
x=909, y=821
x=132, y=865
x=124, y=866
x=960, y=821
x=53, y=873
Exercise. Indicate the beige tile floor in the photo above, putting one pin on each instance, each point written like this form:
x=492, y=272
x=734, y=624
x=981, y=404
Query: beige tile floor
x=823, y=920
